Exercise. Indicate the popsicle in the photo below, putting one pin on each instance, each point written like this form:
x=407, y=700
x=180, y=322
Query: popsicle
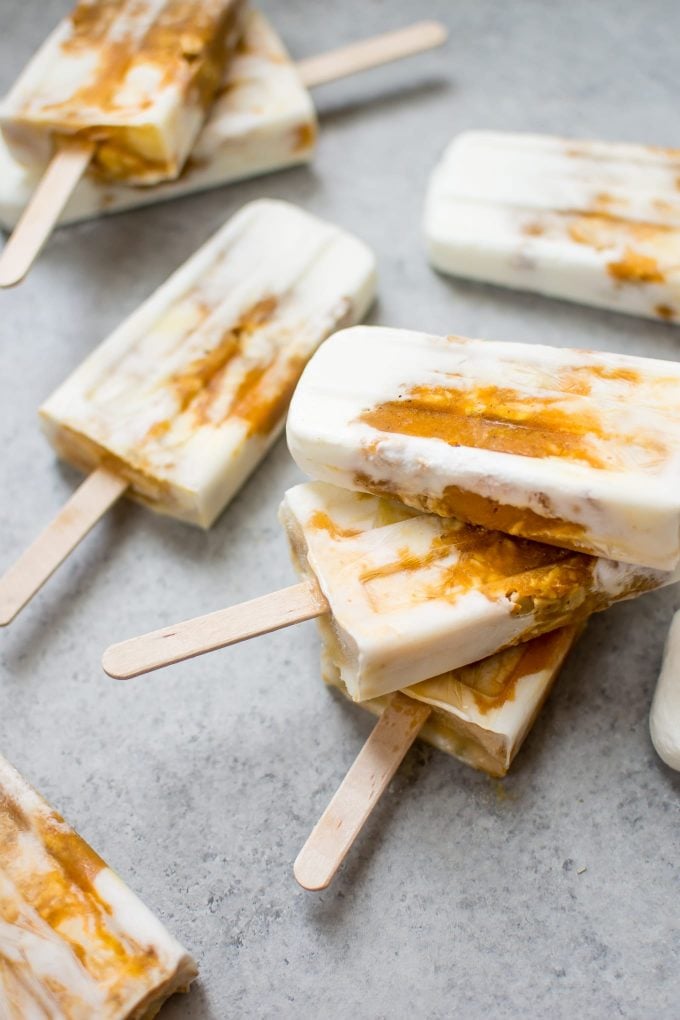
x=261, y=119
x=122, y=86
x=480, y=714
x=401, y=596
x=76, y=942
x=182, y=401
x=134, y=79
x=664, y=718
x=588, y=221
x=580, y=449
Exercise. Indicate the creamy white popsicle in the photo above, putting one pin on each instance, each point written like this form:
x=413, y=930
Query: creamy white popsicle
x=76, y=942
x=588, y=221
x=482, y=713
x=576, y=448
x=135, y=78
x=412, y=595
x=664, y=718
x=187, y=395
x=262, y=119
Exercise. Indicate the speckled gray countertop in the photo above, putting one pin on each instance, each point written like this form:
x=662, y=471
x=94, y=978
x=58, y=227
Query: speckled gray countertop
x=200, y=783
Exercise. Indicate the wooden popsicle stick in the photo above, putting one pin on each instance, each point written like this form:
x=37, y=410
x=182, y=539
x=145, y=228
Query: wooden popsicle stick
x=86, y=506
x=368, y=778
x=216, y=630
x=67, y=166
x=380, y=49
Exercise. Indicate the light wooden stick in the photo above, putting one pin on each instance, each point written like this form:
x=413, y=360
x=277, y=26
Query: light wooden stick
x=82, y=511
x=64, y=171
x=216, y=630
x=381, y=49
x=361, y=789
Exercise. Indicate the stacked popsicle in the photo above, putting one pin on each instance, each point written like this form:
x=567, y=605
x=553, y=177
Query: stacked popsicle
x=123, y=90
x=471, y=497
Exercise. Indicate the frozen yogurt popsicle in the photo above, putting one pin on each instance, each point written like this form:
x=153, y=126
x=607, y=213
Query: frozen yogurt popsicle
x=76, y=942
x=262, y=119
x=137, y=79
x=402, y=596
x=415, y=597
x=588, y=221
x=580, y=449
x=184, y=399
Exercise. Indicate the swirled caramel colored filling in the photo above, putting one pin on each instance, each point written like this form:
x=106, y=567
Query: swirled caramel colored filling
x=494, y=681
x=559, y=422
x=186, y=46
x=55, y=871
x=492, y=418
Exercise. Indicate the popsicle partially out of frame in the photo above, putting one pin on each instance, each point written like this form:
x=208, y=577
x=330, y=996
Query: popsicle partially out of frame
x=591, y=221
x=184, y=399
x=77, y=944
x=401, y=596
x=480, y=714
x=72, y=156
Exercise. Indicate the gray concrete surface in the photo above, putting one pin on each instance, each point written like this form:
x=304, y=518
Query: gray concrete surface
x=199, y=784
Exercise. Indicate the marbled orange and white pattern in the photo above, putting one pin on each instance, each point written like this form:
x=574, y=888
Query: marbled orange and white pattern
x=588, y=221
x=75, y=942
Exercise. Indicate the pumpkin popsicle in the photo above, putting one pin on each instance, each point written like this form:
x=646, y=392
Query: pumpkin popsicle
x=76, y=942
x=401, y=596
x=589, y=221
x=262, y=119
x=135, y=79
x=413, y=595
x=576, y=448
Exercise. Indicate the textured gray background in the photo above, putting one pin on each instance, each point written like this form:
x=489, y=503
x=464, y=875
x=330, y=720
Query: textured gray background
x=201, y=783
